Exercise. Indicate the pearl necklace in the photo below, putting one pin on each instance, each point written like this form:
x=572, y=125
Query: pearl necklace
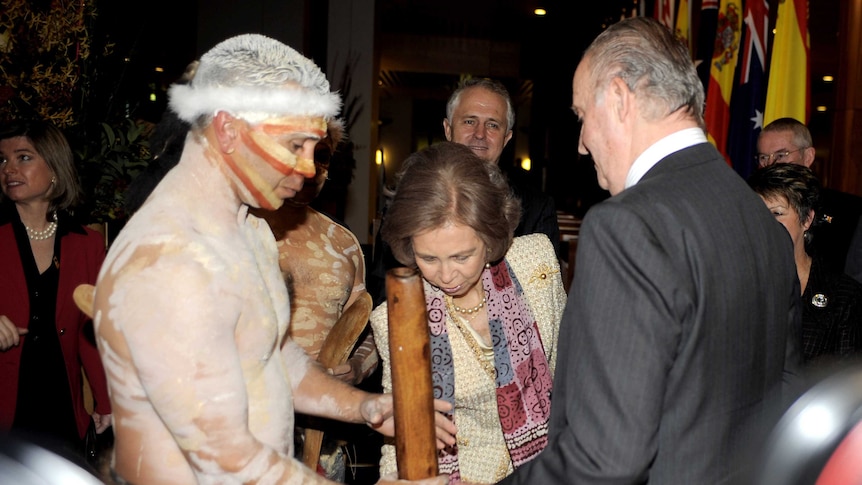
x=468, y=311
x=46, y=233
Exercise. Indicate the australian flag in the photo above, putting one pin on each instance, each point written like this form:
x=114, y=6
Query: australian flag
x=749, y=92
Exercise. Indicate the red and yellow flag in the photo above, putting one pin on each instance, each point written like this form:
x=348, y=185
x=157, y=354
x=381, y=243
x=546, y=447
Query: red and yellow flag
x=723, y=65
x=788, y=92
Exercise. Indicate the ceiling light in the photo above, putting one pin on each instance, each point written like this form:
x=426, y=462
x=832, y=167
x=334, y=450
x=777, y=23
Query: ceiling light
x=540, y=12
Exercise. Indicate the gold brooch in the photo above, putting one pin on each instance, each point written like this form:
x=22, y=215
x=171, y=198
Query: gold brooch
x=541, y=274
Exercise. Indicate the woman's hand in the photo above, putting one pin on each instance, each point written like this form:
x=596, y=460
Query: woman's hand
x=377, y=413
x=10, y=335
x=102, y=422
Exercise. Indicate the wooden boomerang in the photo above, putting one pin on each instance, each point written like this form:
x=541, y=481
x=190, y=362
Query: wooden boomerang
x=336, y=350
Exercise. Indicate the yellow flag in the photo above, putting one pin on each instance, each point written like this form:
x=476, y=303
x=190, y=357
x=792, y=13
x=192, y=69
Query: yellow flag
x=788, y=91
x=683, y=25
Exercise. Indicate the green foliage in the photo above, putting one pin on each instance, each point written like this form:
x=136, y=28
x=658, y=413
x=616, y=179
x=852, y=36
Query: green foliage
x=109, y=166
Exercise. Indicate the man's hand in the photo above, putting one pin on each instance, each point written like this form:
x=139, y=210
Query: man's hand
x=9, y=333
x=347, y=372
x=377, y=413
x=392, y=479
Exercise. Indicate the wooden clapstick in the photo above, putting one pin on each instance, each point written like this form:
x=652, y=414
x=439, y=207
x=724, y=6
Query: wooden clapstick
x=410, y=354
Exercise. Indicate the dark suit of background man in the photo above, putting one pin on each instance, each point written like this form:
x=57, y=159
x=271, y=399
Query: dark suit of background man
x=479, y=114
x=787, y=140
x=685, y=296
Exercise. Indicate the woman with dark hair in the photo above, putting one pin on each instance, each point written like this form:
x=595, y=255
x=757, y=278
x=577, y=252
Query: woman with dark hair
x=831, y=302
x=44, y=256
x=494, y=307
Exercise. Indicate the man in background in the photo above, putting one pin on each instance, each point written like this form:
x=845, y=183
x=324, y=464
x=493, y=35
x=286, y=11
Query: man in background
x=480, y=115
x=838, y=238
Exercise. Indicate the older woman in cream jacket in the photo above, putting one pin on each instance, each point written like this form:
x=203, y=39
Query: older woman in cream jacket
x=494, y=304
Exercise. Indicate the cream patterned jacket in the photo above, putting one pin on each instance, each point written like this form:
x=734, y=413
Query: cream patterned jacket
x=482, y=452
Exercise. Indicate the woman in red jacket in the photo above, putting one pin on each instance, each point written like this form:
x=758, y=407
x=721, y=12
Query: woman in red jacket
x=44, y=255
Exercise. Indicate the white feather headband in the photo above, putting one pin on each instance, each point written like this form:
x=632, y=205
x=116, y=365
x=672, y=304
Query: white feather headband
x=189, y=102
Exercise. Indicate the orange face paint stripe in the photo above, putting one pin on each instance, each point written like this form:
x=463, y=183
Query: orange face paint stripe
x=278, y=126
x=248, y=183
x=282, y=166
x=287, y=129
x=256, y=141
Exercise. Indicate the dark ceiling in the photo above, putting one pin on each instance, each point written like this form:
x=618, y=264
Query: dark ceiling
x=499, y=20
x=426, y=43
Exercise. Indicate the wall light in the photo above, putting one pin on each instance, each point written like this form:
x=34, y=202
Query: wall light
x=821, y=108
x=526, y=164
x=540, y=12
x=828, y=79
x=378, y=156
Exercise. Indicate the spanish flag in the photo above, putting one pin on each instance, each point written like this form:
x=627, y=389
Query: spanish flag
x=788, y=93
x=683, y=26
x=721, y=72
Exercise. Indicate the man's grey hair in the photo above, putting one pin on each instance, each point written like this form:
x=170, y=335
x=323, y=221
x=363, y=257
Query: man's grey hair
x=492, y=85
x=255, y=76
x=653, y=63
x=801, y=134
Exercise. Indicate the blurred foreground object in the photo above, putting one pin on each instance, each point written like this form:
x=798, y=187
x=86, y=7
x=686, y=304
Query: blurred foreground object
x=819, y=439
x=23, y=463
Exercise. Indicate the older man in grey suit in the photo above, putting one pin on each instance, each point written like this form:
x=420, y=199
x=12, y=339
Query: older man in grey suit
x=678, y=325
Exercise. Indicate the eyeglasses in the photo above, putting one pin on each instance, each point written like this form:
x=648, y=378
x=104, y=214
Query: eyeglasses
x=778, y=157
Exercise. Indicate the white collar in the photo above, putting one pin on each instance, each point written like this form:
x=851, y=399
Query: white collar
x=662, y=148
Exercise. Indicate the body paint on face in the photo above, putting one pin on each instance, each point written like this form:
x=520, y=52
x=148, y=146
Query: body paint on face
x=261, y=142
x=256, y=186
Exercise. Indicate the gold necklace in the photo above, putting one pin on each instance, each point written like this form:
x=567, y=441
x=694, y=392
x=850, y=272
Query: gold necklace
x=478, y=353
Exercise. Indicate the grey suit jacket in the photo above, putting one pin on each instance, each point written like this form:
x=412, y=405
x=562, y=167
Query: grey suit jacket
x=682, y=314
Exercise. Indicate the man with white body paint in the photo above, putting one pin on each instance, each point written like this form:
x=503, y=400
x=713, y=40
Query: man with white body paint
x=190, y=307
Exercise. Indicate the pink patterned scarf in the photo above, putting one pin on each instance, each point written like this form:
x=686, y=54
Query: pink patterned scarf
x=523, y=378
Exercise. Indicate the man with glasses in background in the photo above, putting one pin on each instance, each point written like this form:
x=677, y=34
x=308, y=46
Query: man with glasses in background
x=786, y=140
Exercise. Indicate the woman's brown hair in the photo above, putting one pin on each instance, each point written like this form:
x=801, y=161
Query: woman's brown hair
x=52, y=145
x=447, y=183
